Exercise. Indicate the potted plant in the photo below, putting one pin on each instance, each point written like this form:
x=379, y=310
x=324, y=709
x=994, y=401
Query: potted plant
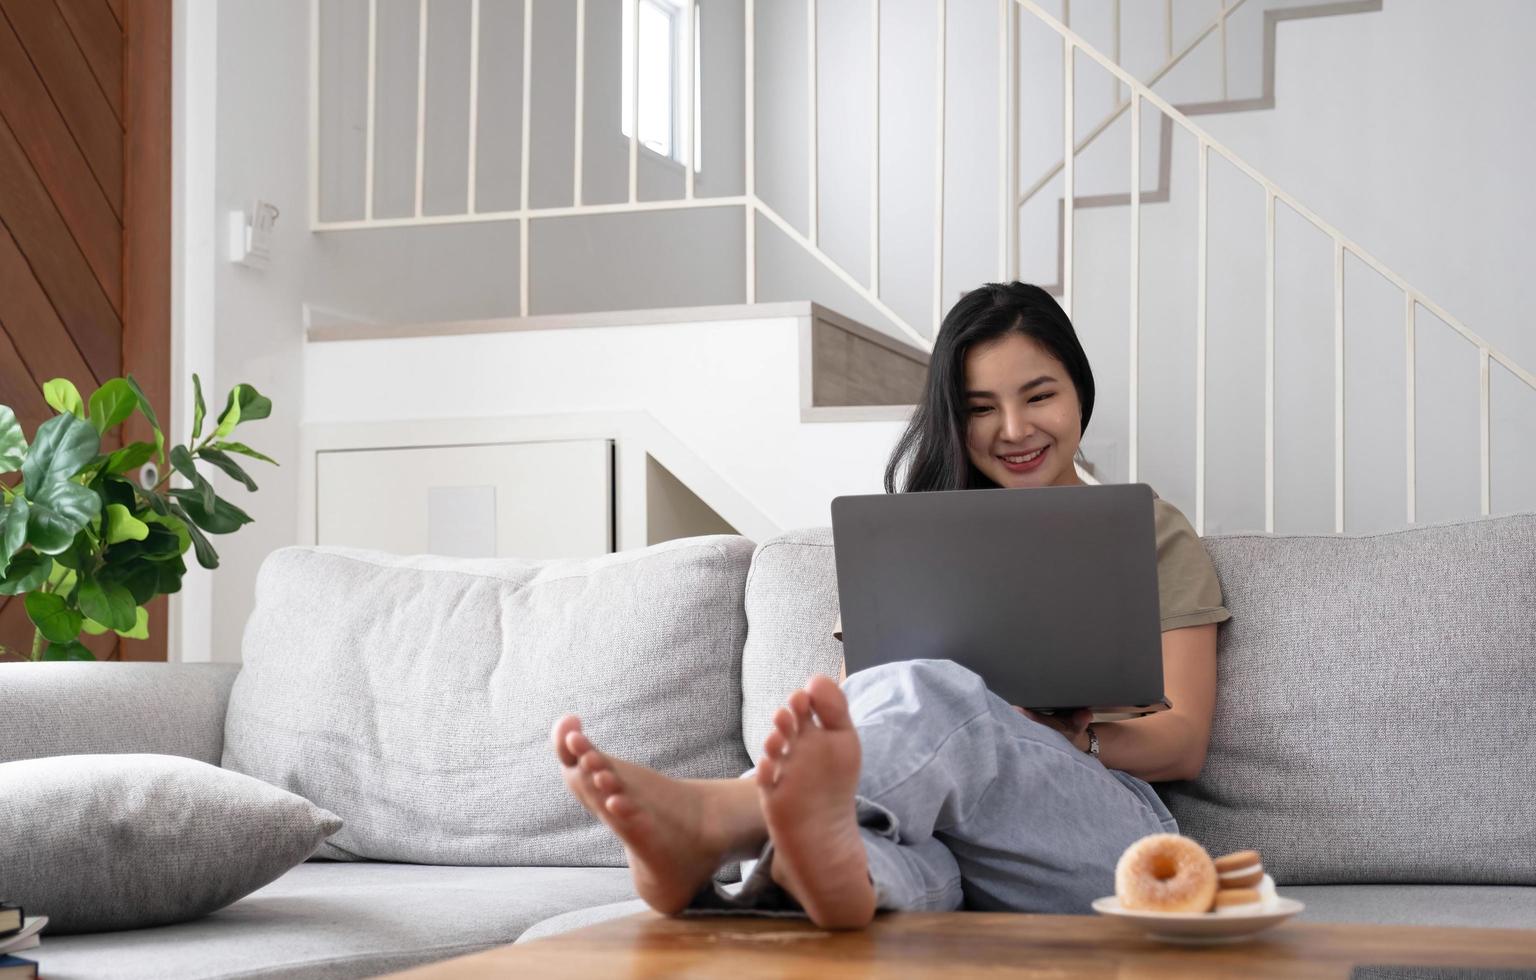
x=85, y=544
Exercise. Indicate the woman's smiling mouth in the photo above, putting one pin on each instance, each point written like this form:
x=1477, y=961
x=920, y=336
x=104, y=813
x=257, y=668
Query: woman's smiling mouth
x=1024, y=462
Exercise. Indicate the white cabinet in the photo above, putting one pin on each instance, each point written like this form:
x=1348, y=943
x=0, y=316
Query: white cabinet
x=510, y=500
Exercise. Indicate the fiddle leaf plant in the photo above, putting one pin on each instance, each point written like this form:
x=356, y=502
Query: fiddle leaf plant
x=82, y=542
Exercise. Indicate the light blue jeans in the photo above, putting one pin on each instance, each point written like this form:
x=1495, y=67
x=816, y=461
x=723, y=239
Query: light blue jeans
x=964, y=802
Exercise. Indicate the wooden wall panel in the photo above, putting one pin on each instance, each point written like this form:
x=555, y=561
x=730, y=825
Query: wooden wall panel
x=85, y=221
x=32, y=219
x=100, y=38
x=73, y=87
x=59, y=164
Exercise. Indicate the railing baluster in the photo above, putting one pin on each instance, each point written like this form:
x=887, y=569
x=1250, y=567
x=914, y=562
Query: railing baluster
x=634, y=99
x=1410, y=342
x=811, y=98
x=1338, y=386
x=1069, y=170
x=1201, y=282
x=581, y=100
x=749, y=141
x=1485, y=425
x=688, y=155
x=938, y=175
x=421, y=105
x=1222, y=17
x=1168, y=26
x=474, y=101
x=874, y=150
x=1134, y=372
x=1004, y=135
x=373, y=84
x=1269, y=361
x=523, y=290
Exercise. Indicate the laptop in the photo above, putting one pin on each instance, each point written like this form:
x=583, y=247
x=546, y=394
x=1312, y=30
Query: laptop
x=1048, y=593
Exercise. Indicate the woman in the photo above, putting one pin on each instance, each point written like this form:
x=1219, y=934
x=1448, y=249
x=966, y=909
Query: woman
x=912, y=786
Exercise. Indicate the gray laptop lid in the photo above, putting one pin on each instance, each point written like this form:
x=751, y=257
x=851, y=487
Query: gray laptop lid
x=1049, y=593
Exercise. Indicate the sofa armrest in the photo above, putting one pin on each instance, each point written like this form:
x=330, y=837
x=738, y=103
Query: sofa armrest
x=88, y=708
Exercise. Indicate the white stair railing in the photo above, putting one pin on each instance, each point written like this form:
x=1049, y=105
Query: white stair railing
x=753, y=205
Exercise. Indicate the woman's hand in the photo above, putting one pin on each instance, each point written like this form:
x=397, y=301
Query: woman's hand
x=1073, y=725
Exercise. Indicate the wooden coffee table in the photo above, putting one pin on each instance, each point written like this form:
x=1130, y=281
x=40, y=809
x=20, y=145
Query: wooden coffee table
x=962, y=944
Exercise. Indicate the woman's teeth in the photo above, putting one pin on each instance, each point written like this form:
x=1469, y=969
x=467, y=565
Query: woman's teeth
x=1024, y=458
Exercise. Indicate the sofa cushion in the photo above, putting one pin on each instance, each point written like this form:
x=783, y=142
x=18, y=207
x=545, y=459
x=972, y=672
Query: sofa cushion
x=102, y=842
x=329, y=921
x=413, y=696
x=791, y=605
x=1374, y=718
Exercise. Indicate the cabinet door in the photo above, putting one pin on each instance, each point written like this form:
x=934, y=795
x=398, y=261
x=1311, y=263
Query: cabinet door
x=517, y=500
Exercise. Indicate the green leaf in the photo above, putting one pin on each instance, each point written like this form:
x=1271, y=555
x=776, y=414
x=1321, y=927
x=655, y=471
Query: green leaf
x=175, y=526
x=138, y=575
x=52, y=616
x=109, y=603
x=68, y=651
x=140, y=629
x=62, y=396
x=123, y=526
x=13, y=442
x=13, y=528
x=244, y=450
x=76, y=556
x=130, y=457
x=62, y=446
x=245, y=404
x=228, y=465
x=153, y=500
x=206, y=556
x=225, y=517
x=182, y=460
x=59, y=512
x=170, y=574
x=92, y=627
x=112, y=403
x=149, y=413
x=198, y=408
x=61, y=579
x=27, y=570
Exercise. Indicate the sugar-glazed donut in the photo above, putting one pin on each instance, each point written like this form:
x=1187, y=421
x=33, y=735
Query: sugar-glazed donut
x=1166, y=873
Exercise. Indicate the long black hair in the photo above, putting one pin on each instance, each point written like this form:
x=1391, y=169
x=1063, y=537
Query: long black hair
x=933, y=447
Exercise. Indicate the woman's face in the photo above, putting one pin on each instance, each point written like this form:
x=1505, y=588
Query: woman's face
x=1023, y=418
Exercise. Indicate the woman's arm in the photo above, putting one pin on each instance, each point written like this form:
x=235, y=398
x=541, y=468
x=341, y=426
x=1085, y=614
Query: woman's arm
x=1170, y=744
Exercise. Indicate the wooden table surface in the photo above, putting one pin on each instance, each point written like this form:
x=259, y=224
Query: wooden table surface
x=964, y=944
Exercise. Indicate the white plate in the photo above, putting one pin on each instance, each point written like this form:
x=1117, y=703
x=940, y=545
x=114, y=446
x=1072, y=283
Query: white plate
x=1201, y=927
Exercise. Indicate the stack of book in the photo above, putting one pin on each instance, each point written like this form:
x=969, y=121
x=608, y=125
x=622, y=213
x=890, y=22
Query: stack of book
x=18, y=932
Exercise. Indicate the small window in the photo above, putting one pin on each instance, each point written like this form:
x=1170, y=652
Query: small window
x=668, y=56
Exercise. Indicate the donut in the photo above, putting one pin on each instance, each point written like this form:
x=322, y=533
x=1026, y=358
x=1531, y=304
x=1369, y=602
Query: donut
x=1166, y=873
x=1230, y=900
x=1241, y=869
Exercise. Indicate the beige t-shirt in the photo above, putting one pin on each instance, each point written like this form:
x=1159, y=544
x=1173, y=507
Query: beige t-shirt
x=1189, y=593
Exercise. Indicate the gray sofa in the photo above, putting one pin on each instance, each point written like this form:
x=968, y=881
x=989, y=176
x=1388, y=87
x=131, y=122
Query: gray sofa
x=1372, y=738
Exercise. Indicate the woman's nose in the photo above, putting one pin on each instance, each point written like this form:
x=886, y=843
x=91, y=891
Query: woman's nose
x=1016, y=427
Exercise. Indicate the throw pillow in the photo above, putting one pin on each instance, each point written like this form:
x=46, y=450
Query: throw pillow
x=414, y=695
x=1373, y=716
x=106, y=842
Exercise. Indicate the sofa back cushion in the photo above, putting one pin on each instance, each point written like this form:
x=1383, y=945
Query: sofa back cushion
x=791, y=607
x=1376, y=707
x=413, y=696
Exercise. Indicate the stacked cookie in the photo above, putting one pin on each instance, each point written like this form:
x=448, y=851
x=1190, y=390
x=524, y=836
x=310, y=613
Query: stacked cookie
x=1238, y=879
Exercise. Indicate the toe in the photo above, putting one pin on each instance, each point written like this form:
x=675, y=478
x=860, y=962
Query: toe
x=800, y=703
x=607, y=781
x=578, y=743
x=775, y=745
x=621, y=805
x=829, y=701
x=784, y=722
x=592, y=761
x=560, y=734
x=767, y=772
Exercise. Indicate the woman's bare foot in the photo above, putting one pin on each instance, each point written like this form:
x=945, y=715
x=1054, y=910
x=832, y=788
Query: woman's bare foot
x=676, y=832
x=807, y=778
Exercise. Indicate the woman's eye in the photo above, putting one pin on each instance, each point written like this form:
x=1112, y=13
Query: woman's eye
x=1041, y=398
x=978, y=409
